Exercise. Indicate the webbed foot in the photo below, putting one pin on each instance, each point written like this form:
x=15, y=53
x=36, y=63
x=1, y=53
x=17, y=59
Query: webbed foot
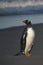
x=28, y=54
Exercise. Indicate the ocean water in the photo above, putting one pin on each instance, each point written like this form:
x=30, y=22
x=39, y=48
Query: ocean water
x=16, y=20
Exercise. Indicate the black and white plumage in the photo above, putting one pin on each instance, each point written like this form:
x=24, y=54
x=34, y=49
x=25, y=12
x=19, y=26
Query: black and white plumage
x=27, y=38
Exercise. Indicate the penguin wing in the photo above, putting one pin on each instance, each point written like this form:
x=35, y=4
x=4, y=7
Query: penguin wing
x=23, y=39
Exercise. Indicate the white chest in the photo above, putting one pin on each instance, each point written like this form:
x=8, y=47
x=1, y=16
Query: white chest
x=29, y=39
x=30, y=36
x=30, y=32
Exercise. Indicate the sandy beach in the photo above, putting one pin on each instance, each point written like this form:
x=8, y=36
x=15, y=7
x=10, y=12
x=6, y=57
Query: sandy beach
x=10, y=45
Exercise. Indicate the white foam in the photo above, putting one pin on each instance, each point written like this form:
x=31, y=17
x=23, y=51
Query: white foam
x=20, y=3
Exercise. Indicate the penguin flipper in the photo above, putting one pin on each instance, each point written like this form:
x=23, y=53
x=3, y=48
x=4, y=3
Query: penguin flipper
x=23, y=40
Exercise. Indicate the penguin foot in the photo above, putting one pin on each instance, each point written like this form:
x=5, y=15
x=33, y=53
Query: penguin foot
x=28, y=54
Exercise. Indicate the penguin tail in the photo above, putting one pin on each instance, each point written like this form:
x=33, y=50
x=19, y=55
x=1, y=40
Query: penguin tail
x=19, y=53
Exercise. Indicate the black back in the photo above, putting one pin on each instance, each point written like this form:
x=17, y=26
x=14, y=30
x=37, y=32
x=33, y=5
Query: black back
x=23, y=40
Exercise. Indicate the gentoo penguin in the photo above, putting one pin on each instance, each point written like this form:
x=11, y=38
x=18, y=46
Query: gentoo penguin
x=27, y=39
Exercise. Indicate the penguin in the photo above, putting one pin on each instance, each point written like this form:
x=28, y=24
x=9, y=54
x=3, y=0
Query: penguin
x=27, y=38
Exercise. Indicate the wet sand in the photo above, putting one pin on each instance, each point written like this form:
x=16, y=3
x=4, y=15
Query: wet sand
x=10, y=45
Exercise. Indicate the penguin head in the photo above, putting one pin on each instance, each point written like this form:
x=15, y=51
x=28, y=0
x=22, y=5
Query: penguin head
x=27, y=22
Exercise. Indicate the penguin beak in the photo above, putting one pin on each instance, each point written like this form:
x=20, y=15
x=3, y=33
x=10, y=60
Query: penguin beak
x=23, y=21
x=27, y=22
